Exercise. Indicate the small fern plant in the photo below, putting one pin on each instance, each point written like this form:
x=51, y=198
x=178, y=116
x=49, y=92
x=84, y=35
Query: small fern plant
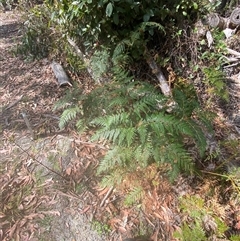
x=142, y=130
x=134, y=117
x=215, y=82
x=202, y=222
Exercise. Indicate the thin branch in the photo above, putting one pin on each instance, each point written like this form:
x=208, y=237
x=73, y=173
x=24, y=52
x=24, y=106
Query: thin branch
x=163, y=83
x=14, y=103
x=29, y=126
x=106, y=196
x=233, y=52
x=40, y=163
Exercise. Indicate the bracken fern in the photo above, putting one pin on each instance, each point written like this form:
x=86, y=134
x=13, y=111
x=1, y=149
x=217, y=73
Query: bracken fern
x=142, y=131
x=135, y=118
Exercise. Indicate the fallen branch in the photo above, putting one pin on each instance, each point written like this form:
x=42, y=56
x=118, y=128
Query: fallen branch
x=235, y=17
x=231, y=65
x=163, y=83
x=106, y=196
x=233, y=52
x=216, y=21
x=232, y=22
x=14, y=103
x=231, y=59
x=60, y=74
x=85, y=60
x=28, y=125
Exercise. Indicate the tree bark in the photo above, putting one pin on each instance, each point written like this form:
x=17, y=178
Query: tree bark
x=232, y=22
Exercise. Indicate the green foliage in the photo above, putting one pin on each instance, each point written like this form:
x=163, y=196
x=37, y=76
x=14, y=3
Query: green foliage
x=68, y=115
x=215, y=79
x=213, y=60
x=134, y=196
x=195, y=232
x=99, y=63
x=142, y=131
x=38, y=36
x=203, y=220
x=234, y=238
x=72, y=109
x=100, y=227
x=114, y=177
x=134, y=117
x=108, y=22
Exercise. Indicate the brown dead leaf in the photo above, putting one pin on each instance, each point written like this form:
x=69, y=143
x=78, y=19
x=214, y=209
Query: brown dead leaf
x=122, y=229
x=85, y=209
x=68, y=171
x=158, y=216
x=105, y=190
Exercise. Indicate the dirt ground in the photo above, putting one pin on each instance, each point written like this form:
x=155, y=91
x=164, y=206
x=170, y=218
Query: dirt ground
x=31, y=140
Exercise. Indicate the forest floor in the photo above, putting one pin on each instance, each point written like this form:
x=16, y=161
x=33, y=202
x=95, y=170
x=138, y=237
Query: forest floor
x=37, y=199
x=49, y=190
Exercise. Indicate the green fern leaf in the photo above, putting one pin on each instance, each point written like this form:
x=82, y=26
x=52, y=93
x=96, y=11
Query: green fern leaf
x=68, y=115
x=134, y=196
x=115, y=178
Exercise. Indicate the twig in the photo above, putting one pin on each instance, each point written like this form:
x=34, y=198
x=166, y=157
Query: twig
x=146, y=216
x=106, y=196
x=89, y=143
x=28, y=125
x=231, y=65
x=231, y=59
x=40, y=163
x=51, y=116
x=14, y=103
x=163, y=84
x=233, y=52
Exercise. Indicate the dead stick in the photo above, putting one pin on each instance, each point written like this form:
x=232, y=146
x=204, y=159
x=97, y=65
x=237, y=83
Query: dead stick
x=28, y=125
x=14, y=103
x=39, y=162
x=233, y=52
x=106, y=196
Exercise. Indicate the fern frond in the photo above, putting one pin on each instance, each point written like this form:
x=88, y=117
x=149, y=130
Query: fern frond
x=68, y=115
x=134, y=196
x=81, y=126
x=119, y=50
x=111, y=120
x=71, y=98
x=109, y=160
x=145, y=25
x=143, y=153
x=192, y=129
x=187, y=101
x=215, y=79
x=112, y=179
x=142, y=132
x=116, y=157
x=100, y=62
x=205, y=118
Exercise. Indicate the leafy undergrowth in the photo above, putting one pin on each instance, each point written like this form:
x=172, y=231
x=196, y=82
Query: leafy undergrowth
x=201, y=206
